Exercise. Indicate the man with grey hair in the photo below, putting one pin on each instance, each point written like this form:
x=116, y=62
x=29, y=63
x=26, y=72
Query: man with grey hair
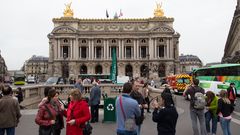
x=95, y=97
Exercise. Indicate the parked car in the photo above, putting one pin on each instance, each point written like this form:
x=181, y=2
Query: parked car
x=31, y=79
x=55, y=81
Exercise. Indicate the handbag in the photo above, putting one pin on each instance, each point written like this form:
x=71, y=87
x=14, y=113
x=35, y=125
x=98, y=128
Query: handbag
x=86, y=127
x=45, y=130
x=129, y=124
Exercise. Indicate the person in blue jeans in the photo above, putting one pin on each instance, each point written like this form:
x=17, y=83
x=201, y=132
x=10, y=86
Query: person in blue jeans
x=211, y=114
x=225, y=109
x=126, y=110
x=196, y=114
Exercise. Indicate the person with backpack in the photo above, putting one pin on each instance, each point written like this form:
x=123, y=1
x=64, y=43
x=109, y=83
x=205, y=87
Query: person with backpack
x=197, y=106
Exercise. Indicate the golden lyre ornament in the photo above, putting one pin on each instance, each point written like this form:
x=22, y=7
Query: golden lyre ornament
x=68, y=12
x=158, y=12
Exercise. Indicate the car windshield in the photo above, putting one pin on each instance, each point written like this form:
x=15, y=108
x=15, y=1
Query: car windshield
x=52, y=80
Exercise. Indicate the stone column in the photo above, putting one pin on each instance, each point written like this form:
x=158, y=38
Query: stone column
x=155, y=48
x=89, y=49
x=71, y=48
x=137, y=49
x=107, y=50
x=150, y=48
x=76, y=49
x=93, y=50
x=171, y=48
x=104, y=49
x=123, y=50
x=120, y=49
x=58, y=49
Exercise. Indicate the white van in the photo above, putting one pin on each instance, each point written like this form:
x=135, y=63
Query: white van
x=30, y=79
x=215, y=86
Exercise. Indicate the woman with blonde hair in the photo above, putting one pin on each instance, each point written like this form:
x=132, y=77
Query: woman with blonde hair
x=225, y=109
x=77, y=113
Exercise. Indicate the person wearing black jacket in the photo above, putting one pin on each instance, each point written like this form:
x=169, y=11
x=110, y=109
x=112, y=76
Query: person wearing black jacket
x=135, y=94
x=165, y=115
x=225, y=109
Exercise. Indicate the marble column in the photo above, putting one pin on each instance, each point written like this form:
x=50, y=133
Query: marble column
x=120, y=49
x=137, y=49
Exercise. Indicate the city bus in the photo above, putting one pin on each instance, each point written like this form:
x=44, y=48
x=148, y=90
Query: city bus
x=218, y=77
x=19, y=78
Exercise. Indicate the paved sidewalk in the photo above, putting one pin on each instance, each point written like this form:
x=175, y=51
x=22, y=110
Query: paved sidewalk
x=27, y=125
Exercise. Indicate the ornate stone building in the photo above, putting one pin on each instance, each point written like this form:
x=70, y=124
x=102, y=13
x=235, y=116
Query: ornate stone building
x=189, y=62
x=232, y=47
x=36, y=66
x=3, y=68
x=84, y=46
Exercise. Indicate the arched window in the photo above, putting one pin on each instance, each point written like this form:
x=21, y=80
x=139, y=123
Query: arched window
x=128, y=70
x=161, y=70
x=83, y=69
x=144, y=70
x=98, y=69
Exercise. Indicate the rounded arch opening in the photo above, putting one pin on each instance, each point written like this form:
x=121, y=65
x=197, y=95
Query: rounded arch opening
x=83, y=69
x=129, y=70
x=98, y=69
x=161, y=70
x=143, y=70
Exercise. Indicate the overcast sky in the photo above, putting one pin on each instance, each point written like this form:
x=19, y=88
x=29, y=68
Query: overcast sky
x=203, y=24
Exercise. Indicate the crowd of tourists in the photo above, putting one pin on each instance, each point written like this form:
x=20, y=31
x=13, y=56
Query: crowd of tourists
x=207, y=108
x=210, y=109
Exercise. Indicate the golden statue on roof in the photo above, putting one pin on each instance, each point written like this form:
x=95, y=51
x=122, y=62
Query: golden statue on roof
x=68, y=12
x=158, y=12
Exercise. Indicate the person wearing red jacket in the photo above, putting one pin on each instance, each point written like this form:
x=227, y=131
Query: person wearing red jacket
x=50, y=116
x=77, y=113
x=231, y=92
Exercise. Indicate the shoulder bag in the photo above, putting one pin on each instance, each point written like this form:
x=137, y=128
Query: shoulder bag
x=129, y=124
